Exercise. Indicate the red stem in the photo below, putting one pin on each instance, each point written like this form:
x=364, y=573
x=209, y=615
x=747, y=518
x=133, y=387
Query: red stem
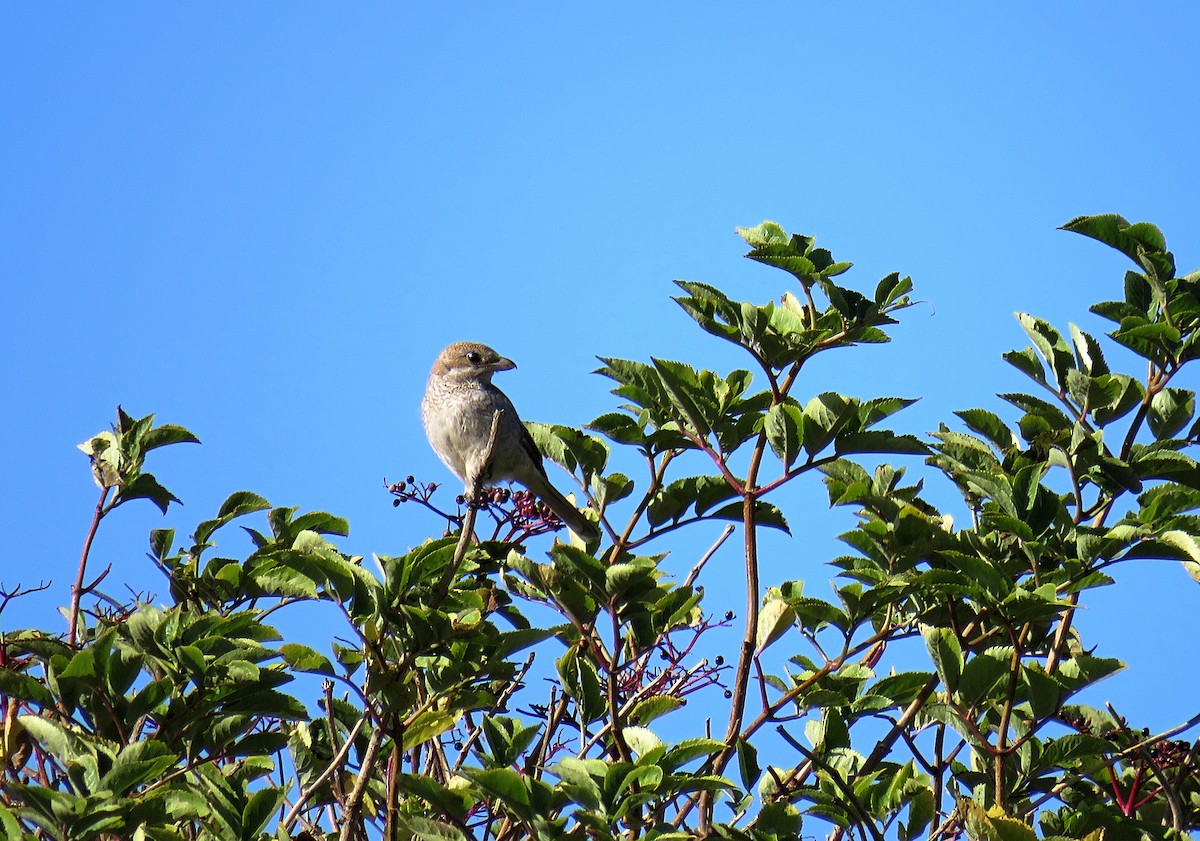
x=77, y=589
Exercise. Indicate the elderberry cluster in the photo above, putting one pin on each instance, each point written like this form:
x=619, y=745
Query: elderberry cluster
x=410, y=489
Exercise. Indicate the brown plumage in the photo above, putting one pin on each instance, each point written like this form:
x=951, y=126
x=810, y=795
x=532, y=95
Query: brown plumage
x=457, y=411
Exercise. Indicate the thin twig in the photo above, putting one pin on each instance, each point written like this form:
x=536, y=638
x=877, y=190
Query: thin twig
x=329, y=771
x=77, y=590
x=501, y=700
x=835, y=777
x=350, y=814
x=1071, y=780
x=695, y=573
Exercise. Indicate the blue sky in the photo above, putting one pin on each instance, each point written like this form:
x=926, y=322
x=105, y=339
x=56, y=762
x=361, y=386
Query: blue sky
x=262, y=221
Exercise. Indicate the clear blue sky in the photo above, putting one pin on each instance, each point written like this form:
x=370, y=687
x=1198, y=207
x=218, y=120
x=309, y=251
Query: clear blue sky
x=262, y=221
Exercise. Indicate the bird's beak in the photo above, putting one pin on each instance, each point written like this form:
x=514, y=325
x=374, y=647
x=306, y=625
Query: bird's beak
x=503, y=364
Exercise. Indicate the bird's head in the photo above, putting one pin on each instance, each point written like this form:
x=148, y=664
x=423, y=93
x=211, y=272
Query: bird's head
x=470, y=361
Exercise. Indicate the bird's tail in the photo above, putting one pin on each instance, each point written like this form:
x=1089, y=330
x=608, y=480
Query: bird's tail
x=563, y=509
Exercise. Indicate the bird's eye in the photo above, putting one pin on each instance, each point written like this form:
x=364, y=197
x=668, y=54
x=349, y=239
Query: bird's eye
x=474, y=358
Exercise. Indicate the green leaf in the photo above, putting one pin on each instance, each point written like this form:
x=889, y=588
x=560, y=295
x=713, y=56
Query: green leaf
x=240, y=503
x=1170, y=411
x=138, y=764
x=879, y=441
x=903, y=688
x=428, y=829
x=1068, y=751
x=680, y=754
x=60, y=743
x=774, y=620
x=824, y=417
x=426, y=726
x=1051, y=345
x=648, y=709
x=946, y=654
x=784, y=426
x=162, y=436
x=641, y=740
x=1188, y=547
x=980, y=674
x=82, y=665
x=145, y=486
x=994, y=824
x=1088, y=353
x=748, y=766
x=681, y=385
x=1137, y=241
x=12, y=829
x=261, y=805
x=1027, y=362
x=765, y=514
x=765, y=233
x=1044, y=693
x=21, y=686
x=990, y=426
x=305, y=659
x=506, y=784
x=620, y=428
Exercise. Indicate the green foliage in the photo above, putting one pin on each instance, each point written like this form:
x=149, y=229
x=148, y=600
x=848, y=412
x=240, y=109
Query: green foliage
x=482, y=689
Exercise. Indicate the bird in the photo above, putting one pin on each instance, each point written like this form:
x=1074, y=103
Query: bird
x=460, y=401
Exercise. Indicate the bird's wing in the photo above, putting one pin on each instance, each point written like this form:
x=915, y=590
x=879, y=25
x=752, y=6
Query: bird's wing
x=528, y=445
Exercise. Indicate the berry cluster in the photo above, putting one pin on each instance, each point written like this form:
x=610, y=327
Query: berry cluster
x=410, y=488
x=518, y=513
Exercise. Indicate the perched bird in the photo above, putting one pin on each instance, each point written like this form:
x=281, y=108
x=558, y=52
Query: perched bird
x=459, y=403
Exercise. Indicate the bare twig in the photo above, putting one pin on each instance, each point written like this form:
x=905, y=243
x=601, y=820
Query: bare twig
x=350, y=814
x=695, y=573
x=77, y=590
x=500, y=702
x=329, y=771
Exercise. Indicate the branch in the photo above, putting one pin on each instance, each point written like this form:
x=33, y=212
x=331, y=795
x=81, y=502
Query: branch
x=77, y=590
x=851, y=799
x=360, y=783
x=1069, y=781
x=329, y=771
x=728, y=530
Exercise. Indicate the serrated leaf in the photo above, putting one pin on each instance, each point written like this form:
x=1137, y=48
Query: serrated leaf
x=748, y=766
x=428, y=829
x=305, y=659
x=648, y=709
x=145, y=486
x=879, y=441
x=161, y=436
x=784, y=426
x=1088, y=352
x=1170, y=411
x=774, y=619
x=765, y=514
x=1050, y=344
x=946, y=654
x=764, y=233
x=426, y=726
